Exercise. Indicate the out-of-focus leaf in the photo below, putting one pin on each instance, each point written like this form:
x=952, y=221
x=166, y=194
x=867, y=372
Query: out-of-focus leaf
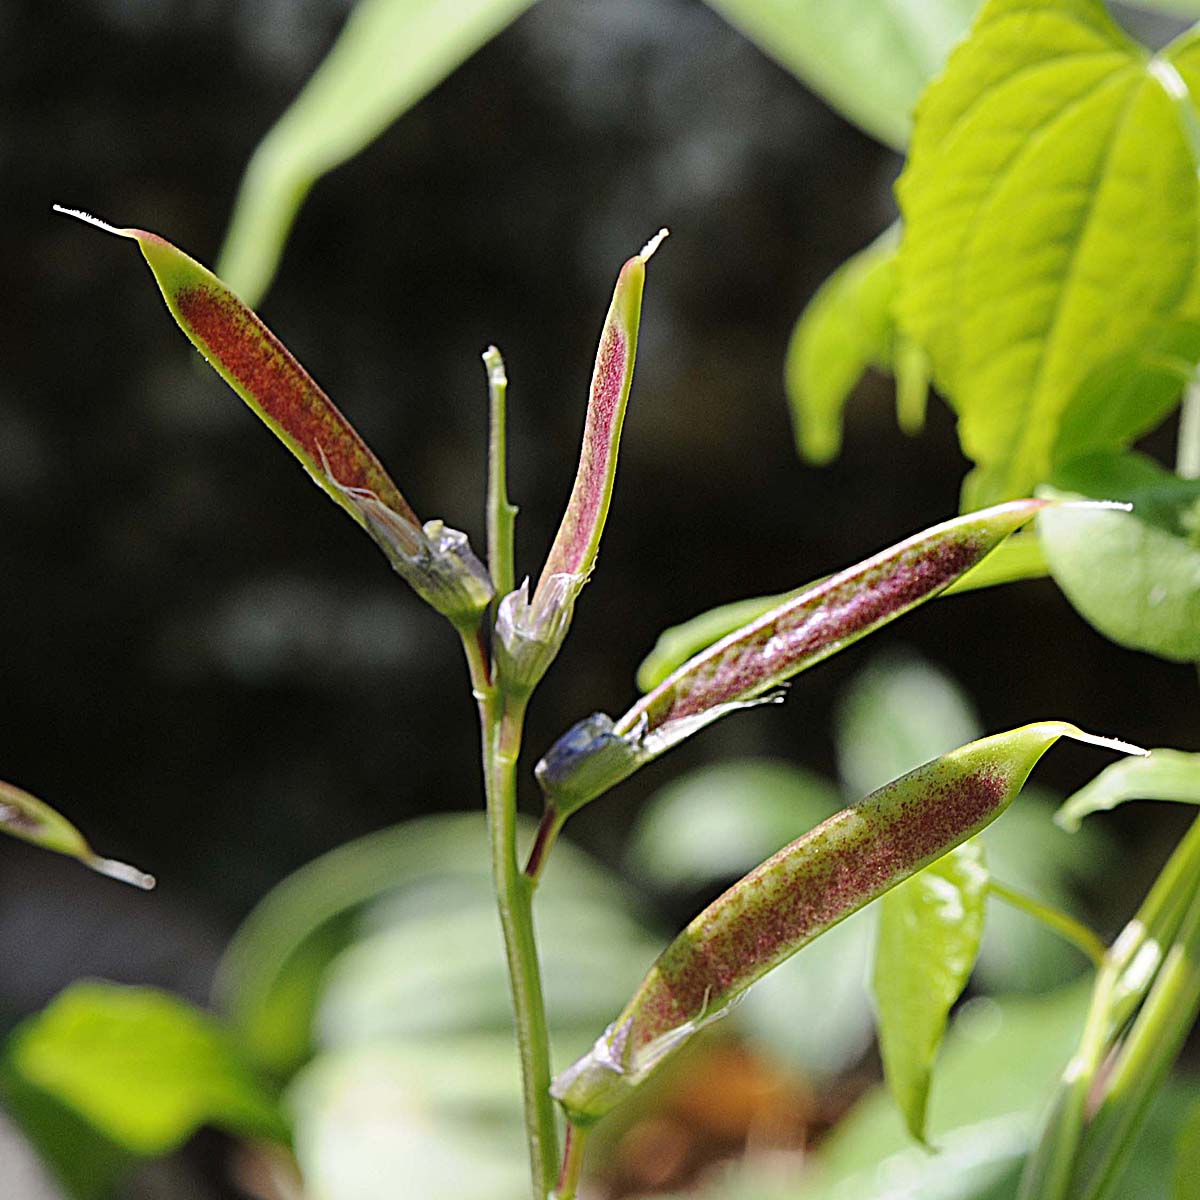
x=999, y=1066
x=1129, y=394
x=389, y=55
x=32, y=820
x=87, y=1164
x=142, y=1067
x=715, y=823
x=372, y=1119
x=1051, y=216
x=870, y=60
x=898, y=713
x=1187, y=1159
x=431, y=965
x=271, y=979
x=929, y=933
x=1134, y=575
x=1165, y=775
x=845, y=328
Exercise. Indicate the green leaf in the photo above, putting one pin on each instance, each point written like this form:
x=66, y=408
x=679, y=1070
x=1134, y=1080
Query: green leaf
x=715, y=823
x=929, y=933
x=1187, y=1159
x=899, y=712
x=1134, y=576
x=32, y=820
x=389, y=55
x=1051, y=216
x=845, y=328
x=870, y=61
x=374, y=1118
x=275, y=976
x=142, y=1067
x=1165, y=775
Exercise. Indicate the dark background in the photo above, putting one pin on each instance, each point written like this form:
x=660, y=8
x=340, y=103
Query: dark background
x=206, y=665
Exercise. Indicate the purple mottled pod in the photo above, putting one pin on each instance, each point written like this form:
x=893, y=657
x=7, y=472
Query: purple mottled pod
x=436, y=561
x=800, y=632
x=796, y=895
x=530, y=631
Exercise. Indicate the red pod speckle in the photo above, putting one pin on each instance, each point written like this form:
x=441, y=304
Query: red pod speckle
x=796, y=895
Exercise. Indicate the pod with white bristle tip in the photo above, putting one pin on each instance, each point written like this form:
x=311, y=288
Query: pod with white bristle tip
x=88, y=219
x=123, y=872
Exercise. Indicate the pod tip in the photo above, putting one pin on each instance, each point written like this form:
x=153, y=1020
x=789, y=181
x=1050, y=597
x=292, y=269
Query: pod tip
x=1111, y=505
x=653, y=244
x=88, y=219
x=122, y=871
x=1095, y=739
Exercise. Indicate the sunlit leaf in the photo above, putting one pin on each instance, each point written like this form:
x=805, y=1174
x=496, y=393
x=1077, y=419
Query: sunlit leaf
x=1135, y=576
x=32, y=820
x=389, y=55
x=869, y=60
x=1051, y=216
x=929, y=933
x=142, y=1067
x=845, y=328
x=1165, y=775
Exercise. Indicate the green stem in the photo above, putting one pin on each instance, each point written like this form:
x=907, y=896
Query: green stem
x=1145, y=1058
x=1187, y=449
x=568, y=1178
x=501, y=515
x=1065, y=925
x=547, y=834
x=502, y=724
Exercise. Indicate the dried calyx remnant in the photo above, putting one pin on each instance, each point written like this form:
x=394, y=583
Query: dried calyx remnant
x=435, y=560
x=802, y=631
x=800, y=892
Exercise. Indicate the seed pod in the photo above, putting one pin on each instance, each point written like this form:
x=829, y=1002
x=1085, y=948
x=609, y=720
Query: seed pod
x=33, y=820
x=253, y=361
x=530, y=631
x=800, y=632
x=796, y=895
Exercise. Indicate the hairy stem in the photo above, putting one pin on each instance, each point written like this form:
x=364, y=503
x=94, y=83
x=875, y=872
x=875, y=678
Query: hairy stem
x=501, y=723
x=1066, y=926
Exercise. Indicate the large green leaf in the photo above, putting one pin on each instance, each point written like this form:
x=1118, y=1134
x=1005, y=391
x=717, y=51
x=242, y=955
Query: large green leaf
x=929, y=933
x=845, y=328
x=1165, y=775
x=1134, y=575
x=870, y=59
x=389, y=55
x=141, y=1067
x=1051, y=213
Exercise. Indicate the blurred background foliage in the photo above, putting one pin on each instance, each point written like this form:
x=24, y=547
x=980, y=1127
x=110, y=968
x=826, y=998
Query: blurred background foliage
x=206, y=672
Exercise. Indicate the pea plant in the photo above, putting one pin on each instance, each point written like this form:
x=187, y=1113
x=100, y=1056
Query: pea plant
x=1043, y=275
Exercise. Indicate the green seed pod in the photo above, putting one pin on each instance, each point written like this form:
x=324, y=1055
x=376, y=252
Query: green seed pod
x=436, y=561
x=796, y=895
x=798, y=633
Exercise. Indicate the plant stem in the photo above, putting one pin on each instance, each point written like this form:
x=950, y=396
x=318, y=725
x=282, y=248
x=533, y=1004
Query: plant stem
x=1065, y=925
x=568, y=1178
x=543, y=843
x=1151, y=1047
x=501, y=515
x=1187, y=449
x=501, y=722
